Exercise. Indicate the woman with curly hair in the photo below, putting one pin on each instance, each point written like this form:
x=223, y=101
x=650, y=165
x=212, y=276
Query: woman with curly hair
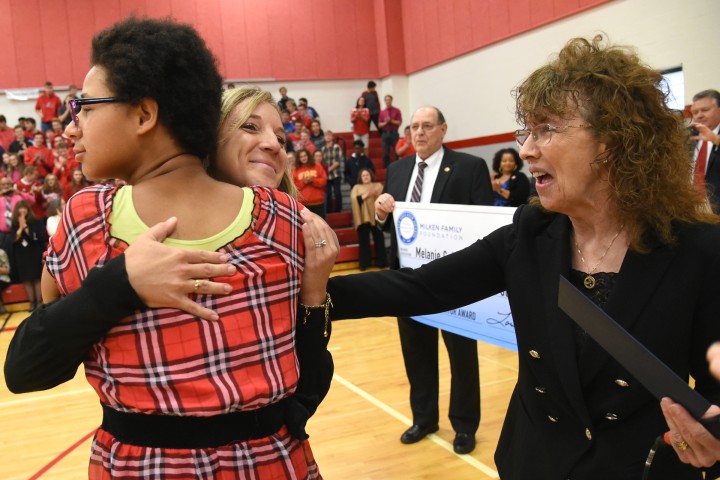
x=510, y=185
x=183, y=396
x=618, y=215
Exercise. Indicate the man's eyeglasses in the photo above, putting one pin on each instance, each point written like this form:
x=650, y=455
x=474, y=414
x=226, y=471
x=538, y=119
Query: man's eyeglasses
x=77, y=104
x=542, y=134
x=425, y=127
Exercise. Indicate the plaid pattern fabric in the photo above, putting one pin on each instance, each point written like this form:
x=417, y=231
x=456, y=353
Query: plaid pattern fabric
x=165, y=361
x=333, y=153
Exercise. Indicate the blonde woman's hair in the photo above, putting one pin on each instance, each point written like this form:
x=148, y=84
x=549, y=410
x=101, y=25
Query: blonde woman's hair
x=254, y=97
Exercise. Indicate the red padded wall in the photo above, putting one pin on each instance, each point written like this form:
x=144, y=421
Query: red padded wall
x=274, y=39
x=438, y=30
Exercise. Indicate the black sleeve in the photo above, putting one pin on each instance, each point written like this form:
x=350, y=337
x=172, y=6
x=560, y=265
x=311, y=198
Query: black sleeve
x=466, y=276
x=49, y=345
x=316, y=370
x=316, y=363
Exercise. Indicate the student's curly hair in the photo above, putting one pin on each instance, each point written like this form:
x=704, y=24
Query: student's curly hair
x=170, y=63
x=649, y=164
x=497, y=159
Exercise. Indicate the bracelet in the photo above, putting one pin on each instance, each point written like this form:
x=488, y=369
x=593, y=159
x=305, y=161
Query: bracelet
x=327, y=305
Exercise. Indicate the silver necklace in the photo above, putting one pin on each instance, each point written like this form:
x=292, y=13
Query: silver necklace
x=589, y=280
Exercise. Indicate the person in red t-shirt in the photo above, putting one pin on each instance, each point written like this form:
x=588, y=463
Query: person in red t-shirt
x=77, y=183
x=7, y=135
x=310, y=179
x=30, y=184
x=48, y=106
x=29, y=127
x=404, y=146
x=39, y=155
x=304, y=116
x=57, y=131
x=64, y=164
x=360, y=118
x=292, y=110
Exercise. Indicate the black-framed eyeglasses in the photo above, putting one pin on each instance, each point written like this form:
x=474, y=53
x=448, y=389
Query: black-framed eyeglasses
x=542, y=134
x=77, y=104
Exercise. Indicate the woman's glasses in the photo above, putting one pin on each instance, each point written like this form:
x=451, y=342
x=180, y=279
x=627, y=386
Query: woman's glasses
x=77, y=104
x=542, y=134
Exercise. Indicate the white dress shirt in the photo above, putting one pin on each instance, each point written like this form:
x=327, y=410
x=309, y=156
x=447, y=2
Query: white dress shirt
x=431, y=172
x=709, y=147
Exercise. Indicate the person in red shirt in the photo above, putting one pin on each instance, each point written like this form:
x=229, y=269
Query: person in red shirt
x=48, y=106
x=39, y=155
x=29, y=127
x=304, y=116
x=404, y=146
x=310, y=179
x=7, y=135
x=360, y=118
x=77, y=183
x=30, y=184
x=64, y=164
x=56, y=132
x=292, y=110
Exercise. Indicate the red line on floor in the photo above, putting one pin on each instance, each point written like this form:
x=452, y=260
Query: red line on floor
x=64, y=454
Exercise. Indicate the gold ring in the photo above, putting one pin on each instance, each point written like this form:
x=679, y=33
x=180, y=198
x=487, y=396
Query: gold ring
x=682, y=445
x=197, y=285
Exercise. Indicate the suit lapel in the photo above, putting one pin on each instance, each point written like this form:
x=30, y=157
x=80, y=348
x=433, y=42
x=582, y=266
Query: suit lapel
x=633, y=289
x=714, y=154
x=446, y=168
x=401, y=178
x=554, y=257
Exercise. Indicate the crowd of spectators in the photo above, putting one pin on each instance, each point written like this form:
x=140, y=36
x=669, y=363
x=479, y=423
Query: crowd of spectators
x=39, y=173
x=39, y=165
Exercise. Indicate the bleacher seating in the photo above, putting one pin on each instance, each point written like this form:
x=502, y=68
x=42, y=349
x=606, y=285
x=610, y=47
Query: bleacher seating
x=342, y=222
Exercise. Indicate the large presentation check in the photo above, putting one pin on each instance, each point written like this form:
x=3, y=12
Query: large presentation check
x=426, y=231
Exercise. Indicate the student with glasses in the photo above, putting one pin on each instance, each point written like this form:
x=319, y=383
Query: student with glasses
x=215, y=393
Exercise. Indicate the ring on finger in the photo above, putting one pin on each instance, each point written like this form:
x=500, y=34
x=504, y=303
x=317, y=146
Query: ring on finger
x=321, y=243
x=197, y=285
x=682, y=445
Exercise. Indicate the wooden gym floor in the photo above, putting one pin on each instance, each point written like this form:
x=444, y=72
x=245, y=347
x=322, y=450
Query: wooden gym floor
x=355, y=434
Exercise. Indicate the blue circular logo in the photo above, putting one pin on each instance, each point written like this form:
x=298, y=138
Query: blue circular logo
x=407, y=228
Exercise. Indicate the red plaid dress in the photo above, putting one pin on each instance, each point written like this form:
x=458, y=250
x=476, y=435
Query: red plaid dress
x=165, y=361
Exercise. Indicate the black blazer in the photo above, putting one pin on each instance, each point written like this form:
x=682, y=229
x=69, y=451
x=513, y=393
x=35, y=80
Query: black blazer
x=462, y=179
x=712, y=178
x=587, y=417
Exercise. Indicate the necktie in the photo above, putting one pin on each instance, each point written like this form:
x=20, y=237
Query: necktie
x=417, y=189
x=8, y=212
x=700, y=166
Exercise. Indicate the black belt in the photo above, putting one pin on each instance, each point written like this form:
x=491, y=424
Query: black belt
x=174, y=431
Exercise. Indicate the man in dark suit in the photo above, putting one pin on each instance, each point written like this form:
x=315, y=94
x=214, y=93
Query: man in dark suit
x=706, y=119
x=445, y=177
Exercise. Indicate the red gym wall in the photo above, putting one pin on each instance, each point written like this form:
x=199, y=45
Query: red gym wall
x=274, y=39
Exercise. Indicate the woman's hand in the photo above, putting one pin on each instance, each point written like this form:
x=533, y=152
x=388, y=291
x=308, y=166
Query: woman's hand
x=319, y=257
x=690, y=439
x=164, y=276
